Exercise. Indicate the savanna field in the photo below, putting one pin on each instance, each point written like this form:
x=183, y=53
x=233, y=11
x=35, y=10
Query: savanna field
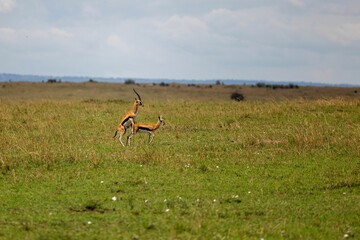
x=283, y=164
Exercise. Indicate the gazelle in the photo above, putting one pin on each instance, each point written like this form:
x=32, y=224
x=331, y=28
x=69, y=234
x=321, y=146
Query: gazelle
x=128, y=119
x=145, y=128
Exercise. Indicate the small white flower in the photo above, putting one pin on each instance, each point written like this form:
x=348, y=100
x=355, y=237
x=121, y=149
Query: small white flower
x=114, y=198
x=249, y=192
x=165, y=200
x=146, y=200
x=344, y=193
x=346, y=235
x=141, y=165
x=167, y=210
x=101, y=182
x=217, y=167
x=89, y=222
x=214, y=200
x=198, y=200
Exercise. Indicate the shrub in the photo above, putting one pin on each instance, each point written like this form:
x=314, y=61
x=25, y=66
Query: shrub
x=129, y=81
x=218, y=82
x=237, y=96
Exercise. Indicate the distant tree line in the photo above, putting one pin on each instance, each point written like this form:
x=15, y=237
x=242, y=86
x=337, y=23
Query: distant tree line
x=163, y=84
x=276, y=86
x=53, y=80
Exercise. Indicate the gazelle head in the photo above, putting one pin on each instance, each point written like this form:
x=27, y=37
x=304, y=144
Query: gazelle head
x=138, y=100
x=161, y=120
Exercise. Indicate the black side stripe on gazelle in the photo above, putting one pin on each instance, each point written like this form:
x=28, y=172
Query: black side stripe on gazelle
x=144, y=128
x=125, y=120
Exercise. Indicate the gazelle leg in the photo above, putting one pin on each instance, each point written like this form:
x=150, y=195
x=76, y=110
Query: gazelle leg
x=129, y=138
x=121, y=133
x=151, y=136
x=131, y=133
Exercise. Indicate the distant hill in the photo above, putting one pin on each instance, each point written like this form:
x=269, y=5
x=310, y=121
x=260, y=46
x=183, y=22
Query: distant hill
x=9, y=77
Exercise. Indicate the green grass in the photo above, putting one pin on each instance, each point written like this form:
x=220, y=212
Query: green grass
x=216, y=170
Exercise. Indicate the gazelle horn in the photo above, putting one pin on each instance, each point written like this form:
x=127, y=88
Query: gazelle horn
x=137, y=95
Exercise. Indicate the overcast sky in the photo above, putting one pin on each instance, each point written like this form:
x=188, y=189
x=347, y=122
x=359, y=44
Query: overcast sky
x=281, y=40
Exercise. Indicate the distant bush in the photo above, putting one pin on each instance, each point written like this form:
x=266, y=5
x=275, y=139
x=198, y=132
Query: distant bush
x=237, y=96
x=163, y=84
x=261, y=85
x=129, y=81
x=218, y=82
x=92, y=80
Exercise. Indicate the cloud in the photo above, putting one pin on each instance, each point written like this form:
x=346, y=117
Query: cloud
x=342, y=33
x=182, y=27
x=297, y=3
x=57, y=32
x=7, y=5
x=7, y=34
x=323, y=75
x=281, y=39
x=267, y=26
x=115, y=41
x=345, y=8
x=91, y=11
x=255, y=27
x=14, y=36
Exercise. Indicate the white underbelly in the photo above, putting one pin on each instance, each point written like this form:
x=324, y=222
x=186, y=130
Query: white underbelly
x=127, y=124
x=143, y=131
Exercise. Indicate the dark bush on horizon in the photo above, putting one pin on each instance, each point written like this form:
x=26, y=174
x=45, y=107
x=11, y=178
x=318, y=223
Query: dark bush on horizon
x=53, y=80
x=277, y=86
x=129, y=81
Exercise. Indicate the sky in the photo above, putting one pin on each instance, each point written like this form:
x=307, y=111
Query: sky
x=278, y=40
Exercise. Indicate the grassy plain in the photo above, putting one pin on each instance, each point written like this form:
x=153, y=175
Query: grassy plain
x=284, y=164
